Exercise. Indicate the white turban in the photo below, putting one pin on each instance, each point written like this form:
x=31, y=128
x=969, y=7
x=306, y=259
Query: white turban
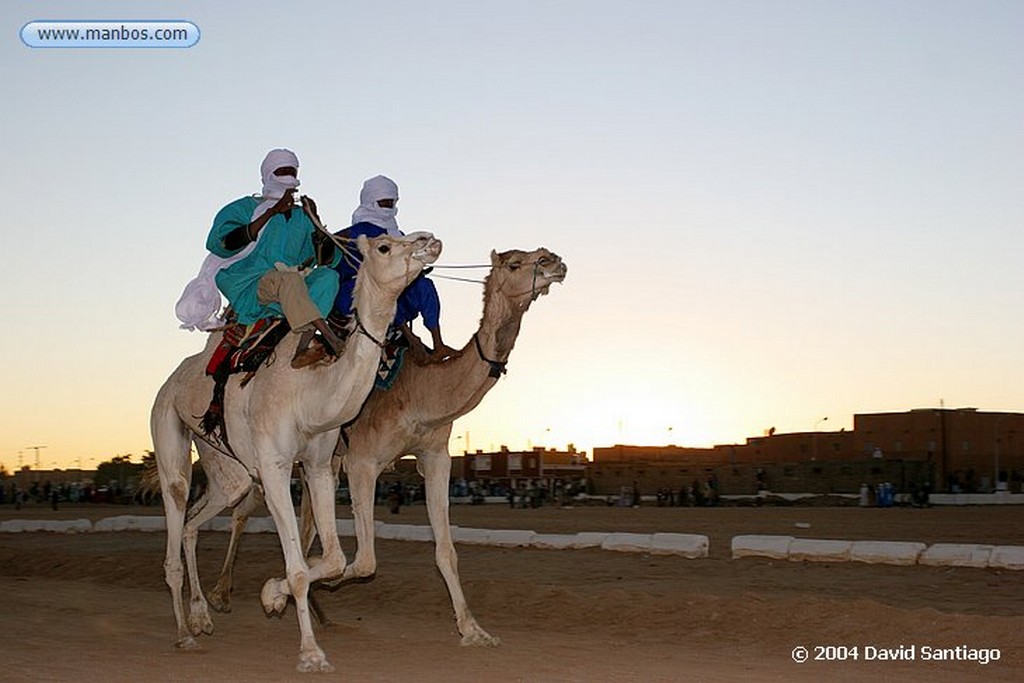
x=274, y=186
x=377, y=188
x=199, y=305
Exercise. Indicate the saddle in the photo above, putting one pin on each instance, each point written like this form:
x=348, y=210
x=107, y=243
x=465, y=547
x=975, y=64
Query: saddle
x=243, y=348
x=247, y=348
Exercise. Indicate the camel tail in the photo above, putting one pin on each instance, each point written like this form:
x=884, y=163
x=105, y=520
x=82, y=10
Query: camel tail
x=149, y=481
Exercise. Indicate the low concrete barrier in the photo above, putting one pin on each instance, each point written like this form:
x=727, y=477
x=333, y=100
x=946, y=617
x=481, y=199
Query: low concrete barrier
x=997, y=498
x=261, y=525
x=690, y=546
x=510, y=538
x=1007, y=557
x=754, y=545
x=60, y=526
x=816, y=550
x=886, y=552
x=589, y=539
x=956, y=555
x=469, y=536
x=684, y=545
x=223, y=524
x=627, y=543
x=131, y=523
x=553, y=541
x=405, y=532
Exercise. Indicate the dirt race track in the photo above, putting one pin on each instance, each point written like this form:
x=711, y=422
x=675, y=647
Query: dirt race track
x=95, y=607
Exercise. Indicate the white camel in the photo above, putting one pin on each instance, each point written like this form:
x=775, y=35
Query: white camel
x=280, y=417
x=415, y=417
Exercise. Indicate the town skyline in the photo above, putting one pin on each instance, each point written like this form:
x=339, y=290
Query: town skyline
x=569, y=446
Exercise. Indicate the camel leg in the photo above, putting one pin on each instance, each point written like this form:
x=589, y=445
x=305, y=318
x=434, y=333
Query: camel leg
x=435, y=466
x=276, y=591
x=321, y=499
x=362, y=482
x=204, y=509
x=218, y=496
x=174, y=467
x=220, y=595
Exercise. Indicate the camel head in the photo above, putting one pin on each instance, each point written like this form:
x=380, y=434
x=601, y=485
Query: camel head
x=393, y=262
x=522, y=276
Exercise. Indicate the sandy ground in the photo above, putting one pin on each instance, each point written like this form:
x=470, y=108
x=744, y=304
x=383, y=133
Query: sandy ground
x=95, y=606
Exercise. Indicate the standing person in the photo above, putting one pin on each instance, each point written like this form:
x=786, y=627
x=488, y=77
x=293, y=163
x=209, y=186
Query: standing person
x=376, y=215
x=269, y=255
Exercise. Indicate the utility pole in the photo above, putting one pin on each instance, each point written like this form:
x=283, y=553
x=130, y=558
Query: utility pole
x=944, y=474
x=36, y=449
x=814, y=456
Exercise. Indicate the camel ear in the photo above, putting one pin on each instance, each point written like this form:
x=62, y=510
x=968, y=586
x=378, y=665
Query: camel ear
x=495, y=259
x=363, y=244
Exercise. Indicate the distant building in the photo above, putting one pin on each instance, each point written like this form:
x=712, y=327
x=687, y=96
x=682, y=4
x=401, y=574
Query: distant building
x=541, y=466
x=950, y=449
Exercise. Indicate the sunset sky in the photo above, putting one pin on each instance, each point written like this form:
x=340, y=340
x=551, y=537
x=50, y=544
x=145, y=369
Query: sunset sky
x=772, y=212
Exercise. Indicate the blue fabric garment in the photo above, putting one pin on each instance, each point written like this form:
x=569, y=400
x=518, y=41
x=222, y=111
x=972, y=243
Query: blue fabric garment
x=231, y=217
x=285, y=240
x=419, y=298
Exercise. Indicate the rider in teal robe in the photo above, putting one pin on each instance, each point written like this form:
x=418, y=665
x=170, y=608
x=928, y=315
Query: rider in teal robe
x=287, y=239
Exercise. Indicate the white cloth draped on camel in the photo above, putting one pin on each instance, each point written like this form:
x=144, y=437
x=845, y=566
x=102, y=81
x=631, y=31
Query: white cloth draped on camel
x=200, y=302
x=375, y=189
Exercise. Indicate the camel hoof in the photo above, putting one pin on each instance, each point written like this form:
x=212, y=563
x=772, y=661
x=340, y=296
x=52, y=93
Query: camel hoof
x=480, y=638
x=186, y=643
x=314, y=662
x=352, y=573
x=200, y=623
x=273, y=599
x=219, y=601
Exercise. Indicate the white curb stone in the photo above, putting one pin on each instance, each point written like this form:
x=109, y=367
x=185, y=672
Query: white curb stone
x=956, y=555
x=110, y=524
x=589, y=539
x=60, y=526
x=221, y=524
x=78, y=526
x=131, y=523
x=147, y=523
x=553, y=541
x=627, y=543
x=470, y=536
x=887, y=552
x=773, y=547
x=690, y=546
x=816, y=550
x=1007, y=557
x=405, y=532
x=510, y=538
x=261, y=525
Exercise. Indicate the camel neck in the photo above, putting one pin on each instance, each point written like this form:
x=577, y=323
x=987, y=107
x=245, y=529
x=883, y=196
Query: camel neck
x=373, y=307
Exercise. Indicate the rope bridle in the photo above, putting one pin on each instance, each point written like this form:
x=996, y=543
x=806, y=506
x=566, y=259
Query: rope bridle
x=361, y=328
x=498, y=368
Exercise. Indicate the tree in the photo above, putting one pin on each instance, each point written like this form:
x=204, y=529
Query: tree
x=119, y=472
